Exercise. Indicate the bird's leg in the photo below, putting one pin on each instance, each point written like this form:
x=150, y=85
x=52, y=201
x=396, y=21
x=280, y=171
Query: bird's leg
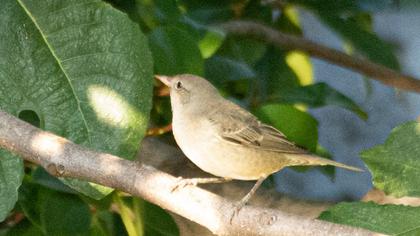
x=246, y=198
x=195, y=181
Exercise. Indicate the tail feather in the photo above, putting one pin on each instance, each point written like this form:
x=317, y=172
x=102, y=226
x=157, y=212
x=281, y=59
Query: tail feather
x=310, y=160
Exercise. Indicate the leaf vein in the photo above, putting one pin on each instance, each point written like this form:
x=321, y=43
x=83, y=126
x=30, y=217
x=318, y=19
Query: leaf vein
x=61, y=67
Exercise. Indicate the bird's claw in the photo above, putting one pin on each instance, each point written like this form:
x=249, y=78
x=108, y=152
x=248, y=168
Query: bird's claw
x=238, y=206
x=182, y=183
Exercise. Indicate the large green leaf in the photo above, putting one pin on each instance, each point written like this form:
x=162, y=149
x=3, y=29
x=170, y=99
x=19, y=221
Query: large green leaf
x=54, y=213
x=395, y=165
x=64, y=214
x=83, y=68
x=11, y=174
x=298, y=126
x=175, y=52
x=388, y=219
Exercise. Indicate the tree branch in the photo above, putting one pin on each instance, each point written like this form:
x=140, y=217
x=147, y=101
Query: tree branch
x=62, y=158
x=373, y=70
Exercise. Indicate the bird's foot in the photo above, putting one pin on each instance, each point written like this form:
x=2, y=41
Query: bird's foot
x=238, y=206
x=182, y=183
x=195, y=181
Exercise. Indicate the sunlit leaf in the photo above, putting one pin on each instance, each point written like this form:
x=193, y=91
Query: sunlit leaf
x=211, y=41
x=301, y=65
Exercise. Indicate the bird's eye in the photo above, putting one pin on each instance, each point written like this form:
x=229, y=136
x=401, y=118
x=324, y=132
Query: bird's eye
x=178, y=85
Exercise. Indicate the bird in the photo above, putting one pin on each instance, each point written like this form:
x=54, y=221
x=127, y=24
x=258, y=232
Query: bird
x=227, y=141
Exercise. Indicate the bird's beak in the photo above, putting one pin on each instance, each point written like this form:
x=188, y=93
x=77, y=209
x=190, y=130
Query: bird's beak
x=164, y=79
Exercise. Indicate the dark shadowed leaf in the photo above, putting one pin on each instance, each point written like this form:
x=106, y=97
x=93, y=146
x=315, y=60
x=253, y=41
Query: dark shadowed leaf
x=42, y=177
x=158, y=221
x=153, y=13
x=395, y=165
x=175, y=52
x=64, y=214
x=318, y=95
x=242, y=50
x=11, y=175
x=208, y=12
x=23, y=228
x=274, y=75
x=222, y=69
x=388, y=219
x=342, y=16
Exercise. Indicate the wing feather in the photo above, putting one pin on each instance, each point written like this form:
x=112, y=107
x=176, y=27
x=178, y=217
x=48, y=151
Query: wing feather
x=239, y=127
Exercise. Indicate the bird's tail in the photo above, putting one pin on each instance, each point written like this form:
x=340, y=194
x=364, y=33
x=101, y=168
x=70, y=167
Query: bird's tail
x=311, y=160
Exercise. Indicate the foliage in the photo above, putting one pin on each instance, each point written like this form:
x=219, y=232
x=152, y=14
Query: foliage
x=394, y=166
x=83, y=70
x=388, y=219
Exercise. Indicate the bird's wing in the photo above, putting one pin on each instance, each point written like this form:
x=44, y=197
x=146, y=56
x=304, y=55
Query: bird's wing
x=242, y=128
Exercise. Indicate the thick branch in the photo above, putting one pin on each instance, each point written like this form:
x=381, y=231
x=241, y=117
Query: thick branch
x=373, y=70
x=65, y=159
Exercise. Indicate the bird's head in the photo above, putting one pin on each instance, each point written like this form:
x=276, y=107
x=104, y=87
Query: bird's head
x=190, y=93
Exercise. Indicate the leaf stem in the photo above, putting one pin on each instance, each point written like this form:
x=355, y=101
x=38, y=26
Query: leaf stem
x=127, y=216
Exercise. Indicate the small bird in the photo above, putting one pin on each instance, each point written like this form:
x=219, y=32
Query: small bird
x=227, y=141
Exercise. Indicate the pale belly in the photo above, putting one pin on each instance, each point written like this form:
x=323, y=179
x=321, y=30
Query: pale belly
x=224, y=159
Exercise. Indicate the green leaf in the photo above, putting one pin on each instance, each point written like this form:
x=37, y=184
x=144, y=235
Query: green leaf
x=23, y=228
x=42, y=177
x=158, y=222
x=208, y=12
x=222, y=69
x=11, y=175
x=211, y=41
x=175, y=52
x=364, y=41
x=143, y=218
x=64, y=214
x=54, y=213
x=30, y=202
x=395, y=165
x=274, y=75
x=156, y=12
x=388, y=219
x=83, y=68
x=243, y=50
x=298, y=126
x=318, y=95
x=344, y=18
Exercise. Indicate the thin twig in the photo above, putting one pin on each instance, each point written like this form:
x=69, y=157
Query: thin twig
x=290, y=42
x=62, y=158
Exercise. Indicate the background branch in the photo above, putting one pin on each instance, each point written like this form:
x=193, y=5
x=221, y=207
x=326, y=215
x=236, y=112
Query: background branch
x=373, y=70
x=62, y=158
